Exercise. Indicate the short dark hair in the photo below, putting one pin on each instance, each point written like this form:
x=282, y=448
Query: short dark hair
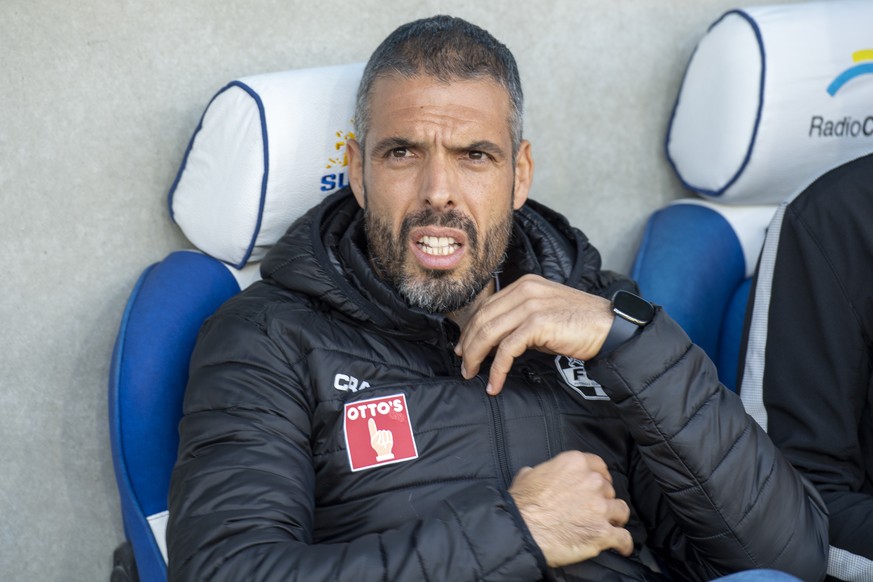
x=448, y=49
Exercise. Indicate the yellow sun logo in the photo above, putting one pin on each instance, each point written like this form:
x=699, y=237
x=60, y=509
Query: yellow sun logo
x=343, y=160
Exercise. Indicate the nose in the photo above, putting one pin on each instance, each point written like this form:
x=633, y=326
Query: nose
x=438, y=184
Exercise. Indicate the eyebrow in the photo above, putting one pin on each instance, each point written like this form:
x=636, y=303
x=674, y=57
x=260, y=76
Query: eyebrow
x=389, y=143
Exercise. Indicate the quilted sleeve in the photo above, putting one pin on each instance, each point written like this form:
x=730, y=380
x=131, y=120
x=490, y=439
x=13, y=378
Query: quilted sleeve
x=718, y=497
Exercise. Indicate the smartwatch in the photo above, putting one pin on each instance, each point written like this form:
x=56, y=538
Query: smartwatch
x=632, y=312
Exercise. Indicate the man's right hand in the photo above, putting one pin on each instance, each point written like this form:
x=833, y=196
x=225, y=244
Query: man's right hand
x=570, y=508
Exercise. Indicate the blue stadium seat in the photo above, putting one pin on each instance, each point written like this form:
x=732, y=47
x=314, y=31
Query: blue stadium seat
x=147, y=381
x=772, y=98
x=696, y=260
x=266, y=149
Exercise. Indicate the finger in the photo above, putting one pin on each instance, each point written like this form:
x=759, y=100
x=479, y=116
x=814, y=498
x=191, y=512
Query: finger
x=621, y=541
x=512, y=346
x=520, y=476
x=371, y=424
x=618, y=512
x=486, y=322
x=507, y=298
x=484, y=335
x=597, y=464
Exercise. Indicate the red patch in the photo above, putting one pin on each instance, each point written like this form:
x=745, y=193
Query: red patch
x=378, y=432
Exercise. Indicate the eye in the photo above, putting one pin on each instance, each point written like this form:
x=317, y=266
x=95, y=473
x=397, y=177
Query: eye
x=398, y=152
x=478, y=157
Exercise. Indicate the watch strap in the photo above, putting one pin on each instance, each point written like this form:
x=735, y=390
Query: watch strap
x=621, y=331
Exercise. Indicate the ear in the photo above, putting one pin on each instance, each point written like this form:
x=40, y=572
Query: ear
x=355, y=153
x=524, y=168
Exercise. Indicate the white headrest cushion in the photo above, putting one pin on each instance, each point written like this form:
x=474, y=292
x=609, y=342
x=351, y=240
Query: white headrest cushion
x=268, y=148
x=773, y=97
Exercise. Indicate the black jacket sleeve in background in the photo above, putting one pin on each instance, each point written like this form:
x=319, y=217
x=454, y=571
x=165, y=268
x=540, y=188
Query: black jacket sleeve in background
x=817, y=364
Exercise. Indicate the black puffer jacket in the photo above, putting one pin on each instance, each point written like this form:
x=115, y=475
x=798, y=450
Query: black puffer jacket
x=283, y=475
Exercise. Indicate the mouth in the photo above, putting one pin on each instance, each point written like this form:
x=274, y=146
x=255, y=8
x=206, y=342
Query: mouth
x=437, y=248
x=438, y=245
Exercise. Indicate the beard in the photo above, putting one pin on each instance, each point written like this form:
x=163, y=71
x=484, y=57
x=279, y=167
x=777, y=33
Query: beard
x=434, y=290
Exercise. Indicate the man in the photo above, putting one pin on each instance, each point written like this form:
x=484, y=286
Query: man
x=808, y=375
x=405, y=397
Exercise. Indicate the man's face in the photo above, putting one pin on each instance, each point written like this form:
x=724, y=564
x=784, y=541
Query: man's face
x=438, y=185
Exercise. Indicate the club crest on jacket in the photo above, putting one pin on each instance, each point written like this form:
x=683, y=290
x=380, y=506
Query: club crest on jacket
x=573, y=372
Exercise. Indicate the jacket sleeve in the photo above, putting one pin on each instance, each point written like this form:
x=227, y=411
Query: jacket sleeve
x=817, y=370
x=242, y=492
x=715, y=493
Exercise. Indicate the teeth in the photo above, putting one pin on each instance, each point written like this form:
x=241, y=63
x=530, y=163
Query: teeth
x=443, y=245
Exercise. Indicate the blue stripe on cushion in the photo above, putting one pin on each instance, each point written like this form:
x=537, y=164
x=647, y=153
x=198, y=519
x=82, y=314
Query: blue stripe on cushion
x=719, y=191
x=266, y=149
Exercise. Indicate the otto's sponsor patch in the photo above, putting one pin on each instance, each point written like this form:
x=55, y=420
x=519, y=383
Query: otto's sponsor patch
x=378, y=432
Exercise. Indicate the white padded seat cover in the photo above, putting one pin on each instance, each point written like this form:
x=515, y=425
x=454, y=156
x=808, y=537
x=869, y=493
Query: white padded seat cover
x=773, y=97
x=268, y=148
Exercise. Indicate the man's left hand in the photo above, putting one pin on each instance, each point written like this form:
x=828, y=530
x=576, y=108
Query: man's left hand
x=532, y=313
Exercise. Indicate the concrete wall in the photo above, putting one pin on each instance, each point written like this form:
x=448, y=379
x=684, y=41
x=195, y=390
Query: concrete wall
x=97, y=102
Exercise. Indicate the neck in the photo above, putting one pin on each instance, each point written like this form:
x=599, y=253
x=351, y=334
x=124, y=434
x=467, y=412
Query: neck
x=463, y=315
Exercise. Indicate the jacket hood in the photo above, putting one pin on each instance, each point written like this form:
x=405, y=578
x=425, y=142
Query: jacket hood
x=323, y=255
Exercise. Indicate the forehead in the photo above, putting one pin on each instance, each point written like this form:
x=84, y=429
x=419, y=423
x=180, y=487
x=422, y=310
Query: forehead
x=399, y=105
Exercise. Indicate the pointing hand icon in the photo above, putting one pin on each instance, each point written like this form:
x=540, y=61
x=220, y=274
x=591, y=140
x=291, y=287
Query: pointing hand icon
x=382, y=442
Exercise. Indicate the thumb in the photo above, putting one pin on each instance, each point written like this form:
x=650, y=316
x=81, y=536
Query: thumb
x=372, y=425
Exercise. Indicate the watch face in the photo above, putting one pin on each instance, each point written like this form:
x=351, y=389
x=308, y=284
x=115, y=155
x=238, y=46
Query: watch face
x=633, y=308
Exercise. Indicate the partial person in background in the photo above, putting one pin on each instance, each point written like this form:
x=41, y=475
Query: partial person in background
x=435, y=379
x=807, y=364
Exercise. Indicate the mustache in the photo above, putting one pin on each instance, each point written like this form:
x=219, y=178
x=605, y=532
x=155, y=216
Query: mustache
x=451, y=219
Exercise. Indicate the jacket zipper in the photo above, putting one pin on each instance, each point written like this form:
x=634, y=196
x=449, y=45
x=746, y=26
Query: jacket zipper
x=447, y=344
x=447, y=341
x=547, y=403
x=499, y=439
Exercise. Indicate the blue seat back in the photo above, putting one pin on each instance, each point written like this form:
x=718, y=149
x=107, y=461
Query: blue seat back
x=696, y=260
x=148, y=374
